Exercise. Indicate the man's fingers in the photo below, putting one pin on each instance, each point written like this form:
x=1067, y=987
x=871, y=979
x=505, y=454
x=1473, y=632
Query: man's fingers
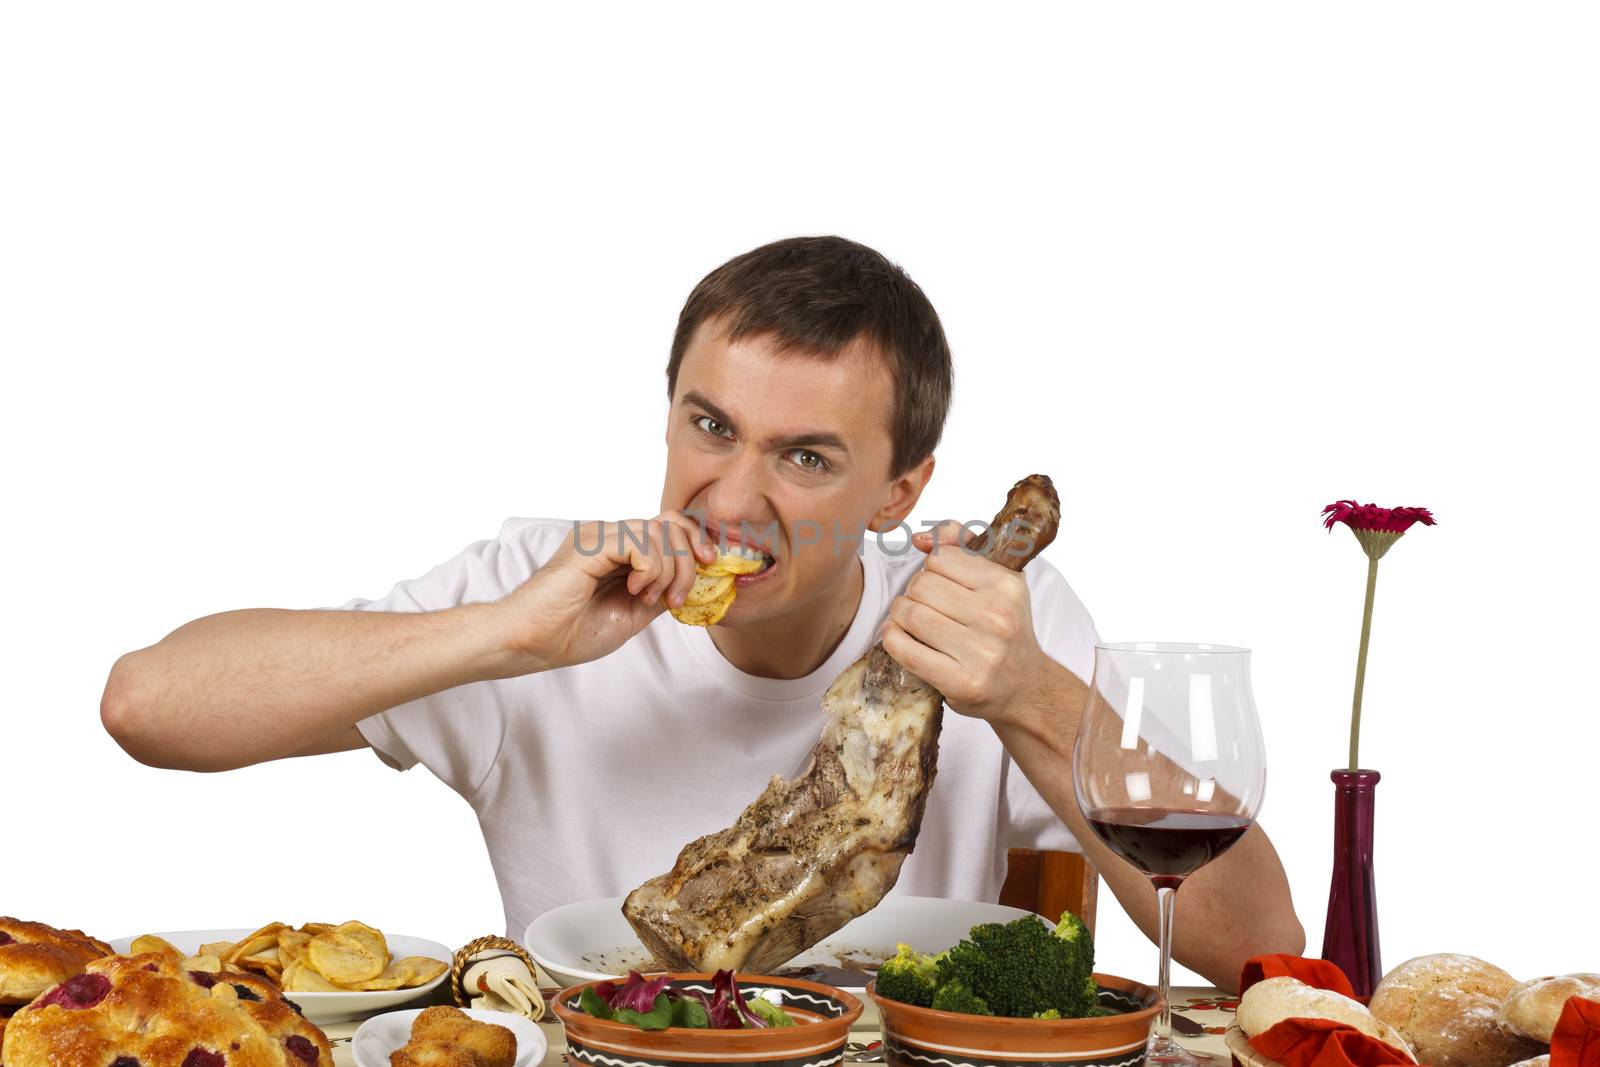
x=929, y=664
x=658, y=555
x=928, y=625
x=704, y=550
x=945, y=532
x=666, y=564
x=944, y=595
x=633, y=544
x=682, y=556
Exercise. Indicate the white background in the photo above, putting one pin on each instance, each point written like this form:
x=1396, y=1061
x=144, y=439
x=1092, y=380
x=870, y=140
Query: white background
x=297, y=300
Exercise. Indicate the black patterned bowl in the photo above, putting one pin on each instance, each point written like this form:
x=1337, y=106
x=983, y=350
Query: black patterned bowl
x=922, y=1037
x=823, y=1015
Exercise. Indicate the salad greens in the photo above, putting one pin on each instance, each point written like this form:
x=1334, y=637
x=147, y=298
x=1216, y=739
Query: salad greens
x=650, y=1005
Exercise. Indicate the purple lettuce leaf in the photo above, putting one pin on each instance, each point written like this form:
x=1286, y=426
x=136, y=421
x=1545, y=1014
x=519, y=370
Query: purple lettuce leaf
x=636, y=994
x=728, y=998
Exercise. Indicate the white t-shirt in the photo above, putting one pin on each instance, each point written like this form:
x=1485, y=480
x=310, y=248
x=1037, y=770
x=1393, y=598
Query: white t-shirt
x=588, y=780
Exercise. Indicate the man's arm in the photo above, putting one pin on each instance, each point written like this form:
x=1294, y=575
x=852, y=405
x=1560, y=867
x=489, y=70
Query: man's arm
x=243, y=687
x=965, y=626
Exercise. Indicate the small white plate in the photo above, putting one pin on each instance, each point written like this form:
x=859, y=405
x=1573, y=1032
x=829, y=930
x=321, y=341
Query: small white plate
x=382, y=1034
x=591, y=940
x=323, y=1007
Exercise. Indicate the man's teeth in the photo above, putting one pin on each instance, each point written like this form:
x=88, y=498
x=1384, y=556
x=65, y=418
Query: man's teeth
x=748, y=553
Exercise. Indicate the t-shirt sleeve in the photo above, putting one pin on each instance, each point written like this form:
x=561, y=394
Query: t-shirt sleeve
x=1067, y=634
x=457, y=733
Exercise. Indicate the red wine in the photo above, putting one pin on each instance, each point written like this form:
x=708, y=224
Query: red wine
x=1167, y=845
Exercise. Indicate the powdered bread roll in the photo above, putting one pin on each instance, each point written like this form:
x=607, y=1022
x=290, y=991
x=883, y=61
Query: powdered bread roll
x=1266, y=1004
x=1532, y=1008
x=1448, y=1007
x=1537, y=1061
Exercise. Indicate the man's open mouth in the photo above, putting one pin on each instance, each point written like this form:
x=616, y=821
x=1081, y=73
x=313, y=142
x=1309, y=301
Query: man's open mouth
x=746, y=552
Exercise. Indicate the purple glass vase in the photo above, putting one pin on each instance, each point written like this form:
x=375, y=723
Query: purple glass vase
x=1350, y=939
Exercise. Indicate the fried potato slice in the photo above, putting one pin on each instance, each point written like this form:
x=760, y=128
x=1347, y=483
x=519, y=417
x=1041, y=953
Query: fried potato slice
x=344, y=959
x=152, y=943
x=729, y=564
x=256, y=943
x=703, y=615
x=219, y=949
x=267, y=964
x=369, y=936
x=299, y=978
x=707, y=601
x=708, y=588
x=405, y=973
x=291, y=945
x=203, y=962
x=315, y=928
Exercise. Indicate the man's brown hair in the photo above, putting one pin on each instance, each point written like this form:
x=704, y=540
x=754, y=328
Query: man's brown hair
x=818, y=294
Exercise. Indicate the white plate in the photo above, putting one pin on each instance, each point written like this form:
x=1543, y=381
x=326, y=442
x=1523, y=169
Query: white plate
x=382, y=1034
x=591, y=940
x=323, y=1007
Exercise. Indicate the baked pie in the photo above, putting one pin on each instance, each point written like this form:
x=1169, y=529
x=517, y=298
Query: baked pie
x=34, y=957
x=158, y=1009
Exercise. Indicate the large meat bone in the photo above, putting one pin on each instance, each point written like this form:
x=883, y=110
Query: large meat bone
x=813, y=853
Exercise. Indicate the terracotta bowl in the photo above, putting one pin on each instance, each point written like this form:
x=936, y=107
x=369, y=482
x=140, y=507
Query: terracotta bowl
x=822, y=1013
x=922, y=1037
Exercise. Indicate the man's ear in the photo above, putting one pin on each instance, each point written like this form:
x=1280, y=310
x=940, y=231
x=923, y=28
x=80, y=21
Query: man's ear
x=904, y=492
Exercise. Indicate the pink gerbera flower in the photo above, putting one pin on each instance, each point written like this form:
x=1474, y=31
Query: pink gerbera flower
x=1377, y=529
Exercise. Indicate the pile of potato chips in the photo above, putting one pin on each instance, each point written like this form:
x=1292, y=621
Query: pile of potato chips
x=709, y=599
x=314, y=958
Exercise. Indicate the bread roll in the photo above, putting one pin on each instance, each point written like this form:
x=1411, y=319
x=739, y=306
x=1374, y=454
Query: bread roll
x=1532, y=1008
x=1266, y=1004
x=1448, y=1007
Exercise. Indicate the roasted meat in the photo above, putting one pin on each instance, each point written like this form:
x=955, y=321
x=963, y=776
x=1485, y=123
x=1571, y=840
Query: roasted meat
x=812, y=853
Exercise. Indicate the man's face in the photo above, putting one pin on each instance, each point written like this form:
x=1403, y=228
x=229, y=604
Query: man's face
x=778, y=450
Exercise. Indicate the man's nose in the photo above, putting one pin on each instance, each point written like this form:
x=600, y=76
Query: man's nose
x=738, y=493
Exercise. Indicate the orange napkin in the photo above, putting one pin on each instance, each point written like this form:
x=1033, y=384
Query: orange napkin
x=1576, y=1042
x=1319, y=973
x=1325, y=1043
x=1317, y=1042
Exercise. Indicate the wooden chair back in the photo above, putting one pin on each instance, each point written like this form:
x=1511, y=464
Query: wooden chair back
x=1049, y=883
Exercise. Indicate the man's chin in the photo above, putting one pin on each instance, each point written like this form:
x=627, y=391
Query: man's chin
x=747, y=610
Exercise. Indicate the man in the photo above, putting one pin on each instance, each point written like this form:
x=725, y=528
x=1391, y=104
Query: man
x=540, y=676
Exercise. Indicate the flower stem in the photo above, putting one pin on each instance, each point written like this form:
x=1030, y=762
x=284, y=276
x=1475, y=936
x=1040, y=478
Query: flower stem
x=1361, y=663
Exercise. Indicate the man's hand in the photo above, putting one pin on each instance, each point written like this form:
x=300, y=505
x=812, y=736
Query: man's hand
x=601, y=587
x=965, y=626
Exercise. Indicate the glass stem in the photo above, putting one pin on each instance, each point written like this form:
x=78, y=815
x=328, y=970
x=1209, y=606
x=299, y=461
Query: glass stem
x=1165, y=896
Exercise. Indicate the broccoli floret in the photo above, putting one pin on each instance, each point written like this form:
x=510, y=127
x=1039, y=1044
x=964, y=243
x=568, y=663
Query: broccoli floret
x=1072, y=929
x=955, y=996
x=911, y=977
x=1026, y=967
x=1051, y=1014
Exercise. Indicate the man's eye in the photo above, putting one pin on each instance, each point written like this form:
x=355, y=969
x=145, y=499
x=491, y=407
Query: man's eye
x=711, y=426
x=809, y=460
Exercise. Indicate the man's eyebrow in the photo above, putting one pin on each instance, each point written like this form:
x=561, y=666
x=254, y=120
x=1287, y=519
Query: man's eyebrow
x=809, y=439
x=699, y=400
x=800, y=439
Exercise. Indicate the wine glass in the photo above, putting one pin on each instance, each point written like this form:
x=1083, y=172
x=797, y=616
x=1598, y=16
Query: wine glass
x=1169, y=769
